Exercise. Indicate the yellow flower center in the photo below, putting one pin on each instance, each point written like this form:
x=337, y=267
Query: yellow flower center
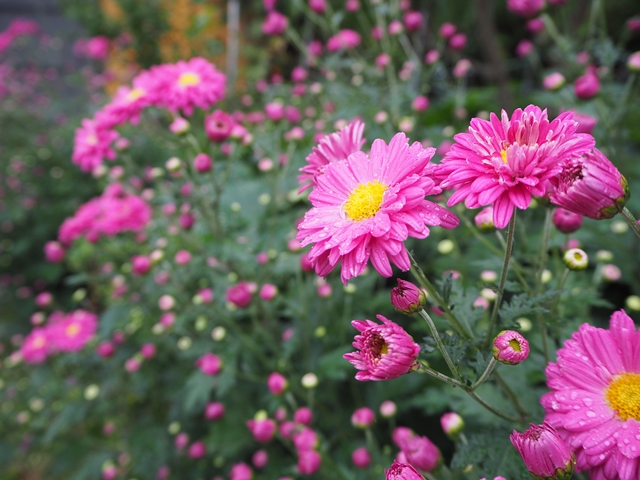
x=365, y=200
x=39, y=342
x=503, y=154
x=135, y=94
x=188, y=79
x=515, y=344
x=72, y=330
x=92, y=139
x=623, y=396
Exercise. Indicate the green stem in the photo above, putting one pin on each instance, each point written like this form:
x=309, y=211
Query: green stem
x=503, y=277
x=463, y=330
x=633, y=223
x=512, y=396
x=492, y=409
x=485, y=375
x=441, y=347
x=422, y=367
x=544, y=245
x=563, y=280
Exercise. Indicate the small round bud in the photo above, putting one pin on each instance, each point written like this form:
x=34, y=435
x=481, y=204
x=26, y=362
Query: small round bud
x=510, y=348
x=633, y=303
x=173, y=164
x=575, y=259
x=309, y=380
x=407, y=298
x=604, y=256
x=363, y=417
x=452, y=424
x=484, y=220
x=566, y=221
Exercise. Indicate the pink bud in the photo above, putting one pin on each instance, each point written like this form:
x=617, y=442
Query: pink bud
x=44, y=299
x=510, y=347
x=218, y=126
x=182, y=257
x=148, y=350
x=586, y=86
x=447, y=30
x=458, y=41
x=303, y=415
x=308, y=462
x=197, y=450
x=132, y=365
x=268, y=292
x=262, y=430
x=181, y=440
x=105, y=349
x=179, y=126
x=277, y=383
x=318, y=6
x=209, y=364
x=361, y=457
x=544, y=452
x=420, y=103
x=260, y=459
x=202, y=163
x=553, y=81
x=140, y=264
x=363, y=417
x=388, y=409
x=53, y=252
x=535, y=25
x=407, y=298
x=452, y=424
x=484, y=219
x=566, y=221
x=214, y=411
x=241, y=471
x=239, y=295
x=413, y=20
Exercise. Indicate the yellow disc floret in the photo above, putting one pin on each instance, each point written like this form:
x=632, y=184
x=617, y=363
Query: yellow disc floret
x=515, y=344
x=72, y=330
x=364, y=201
x=503, y=154
x=623, y=396
x=135, y=94
x=188, y=79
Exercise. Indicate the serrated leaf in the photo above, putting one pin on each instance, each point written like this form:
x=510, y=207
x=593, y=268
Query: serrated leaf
x=523, y=304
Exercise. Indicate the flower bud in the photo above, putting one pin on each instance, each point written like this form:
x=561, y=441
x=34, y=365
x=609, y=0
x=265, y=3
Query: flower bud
x=173, y=164
x=309, y=380
x=303, y=415
x=407, y=298
x=388, y=409
x=575, y=259
x=214, y=411
x=545, y=454
x=361, y=457
x=262, y=430
x=402, y=471
x=202, y=163
x=179, y=126
x=633, y=63
x=510, y=347
x=363, y=417
x=452, y=424
x=566, y=221
x=277, y=383
x=484, y=220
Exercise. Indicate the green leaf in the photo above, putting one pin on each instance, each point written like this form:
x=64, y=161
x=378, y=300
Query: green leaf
x=523, y=304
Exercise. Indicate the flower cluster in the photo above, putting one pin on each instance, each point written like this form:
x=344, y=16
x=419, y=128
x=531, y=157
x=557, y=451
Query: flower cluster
x=113, y=212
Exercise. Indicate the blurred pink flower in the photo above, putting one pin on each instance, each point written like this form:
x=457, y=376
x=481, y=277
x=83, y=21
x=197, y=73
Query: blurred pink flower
x=525, y=8
x=209, y=364
x=73, y=332
x=343, y=40
x=275, y=23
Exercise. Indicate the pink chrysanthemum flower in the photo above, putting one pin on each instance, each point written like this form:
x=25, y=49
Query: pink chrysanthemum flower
x=188, y=84
x=113, y=212
x=332, y=148
x=127, y=104
x=74, y=331
x=594, y=402
x=37, y=346
x=402, y=471
x=590, y=186
x=385, y=351
x=92, y=143
x=545, y=454
x=366, y=207
x=503, y=162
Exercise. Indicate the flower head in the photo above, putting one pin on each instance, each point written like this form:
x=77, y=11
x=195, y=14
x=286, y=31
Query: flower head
x=590, y=186
x=209, y=364
x=594, y=402
x=332, y=148
x=365, y=207
x=275, y=23
x=92, y=144
x=402, y=471
x=218, y=125
x=503, y=162
x=343, y=40
x=385, y=351
x=566, y=221
x=73, y=331
x=37, y=346
x=262, y=430
x=525, y=8
x=510, y=348
x=544, y=452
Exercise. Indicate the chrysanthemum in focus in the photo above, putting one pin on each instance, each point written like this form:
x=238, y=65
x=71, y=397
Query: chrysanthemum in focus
x=503, y=162
x=366, y=207
x=594, y=402
x=332, y=148
x=385, y=351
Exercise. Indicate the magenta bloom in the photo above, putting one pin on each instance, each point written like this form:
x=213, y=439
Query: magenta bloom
x=587, y=86
x=303, y=415
x=308, y=461
x=363, y=417
x=218, y=126
x=305, y=439
x=545, y=453
x=241, y=471
x=277, y=383
x=36, y=346
x=127, y=104
x=594, y=402
x=188, y=84
x=385, y=351
x=503, y=162
x=525, y=8
x=275, y=23
x=332, y=148
x=262, y=430
x=366, y=207
x=361, y=457
x=97, y=47
x=402, y=471
x=413, y=20
x=113, y=212
x=92, y=144
x=54, y=252
x=510, y=348
x=72, y=332
x=214, y=411
x=197, y=450
x=590, y=186
x=209, y=364
x=239, y=295
x=343, y=40
x=140, y=264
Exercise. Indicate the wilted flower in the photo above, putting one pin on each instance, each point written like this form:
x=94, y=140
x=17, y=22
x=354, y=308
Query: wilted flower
x=385, y=351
